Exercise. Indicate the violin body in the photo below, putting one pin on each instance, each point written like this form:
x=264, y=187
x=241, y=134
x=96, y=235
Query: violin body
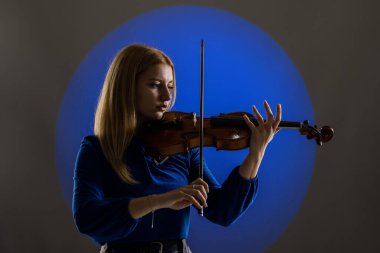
x=178, y=132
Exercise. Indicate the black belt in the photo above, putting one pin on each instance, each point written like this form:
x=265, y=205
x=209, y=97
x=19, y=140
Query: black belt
x=144, y=247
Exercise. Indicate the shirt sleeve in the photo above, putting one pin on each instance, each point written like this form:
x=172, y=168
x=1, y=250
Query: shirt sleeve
x=103, y=219
x=226, y=202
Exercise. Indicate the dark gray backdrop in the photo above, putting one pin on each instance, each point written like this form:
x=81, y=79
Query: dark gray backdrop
x=334, y=44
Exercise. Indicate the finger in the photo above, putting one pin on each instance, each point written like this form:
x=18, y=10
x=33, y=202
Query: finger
x=202, y=182
x=269, y=112
x=249, y=122
x=201, y=189
x=191, y=199
x=278, y=116
x=198, y=187
x=277, y=130
x=197, y=194
x=258, y=116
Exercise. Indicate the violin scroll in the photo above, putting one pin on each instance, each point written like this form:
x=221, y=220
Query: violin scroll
x=321, y=136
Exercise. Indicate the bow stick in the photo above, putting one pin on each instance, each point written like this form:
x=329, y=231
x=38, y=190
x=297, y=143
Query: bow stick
x=201, y=119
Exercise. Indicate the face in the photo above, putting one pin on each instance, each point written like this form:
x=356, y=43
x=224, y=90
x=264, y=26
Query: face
x=153, y=92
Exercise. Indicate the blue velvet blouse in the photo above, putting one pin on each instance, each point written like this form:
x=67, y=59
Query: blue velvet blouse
x=100, y=197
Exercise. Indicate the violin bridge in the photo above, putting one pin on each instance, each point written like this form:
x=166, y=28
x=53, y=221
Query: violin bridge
x=195, y=119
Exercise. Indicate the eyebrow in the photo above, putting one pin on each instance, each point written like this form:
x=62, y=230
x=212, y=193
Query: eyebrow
x=155, y=79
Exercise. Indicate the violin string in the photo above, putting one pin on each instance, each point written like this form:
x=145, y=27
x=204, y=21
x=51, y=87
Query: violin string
x=201, y=118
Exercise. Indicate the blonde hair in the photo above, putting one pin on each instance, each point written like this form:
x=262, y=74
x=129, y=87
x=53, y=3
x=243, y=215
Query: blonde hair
x=116, y=117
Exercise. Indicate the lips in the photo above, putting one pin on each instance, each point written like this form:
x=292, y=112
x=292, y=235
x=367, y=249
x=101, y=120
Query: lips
x=162, y=107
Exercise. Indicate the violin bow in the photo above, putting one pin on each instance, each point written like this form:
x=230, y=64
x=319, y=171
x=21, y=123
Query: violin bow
x=201, y=119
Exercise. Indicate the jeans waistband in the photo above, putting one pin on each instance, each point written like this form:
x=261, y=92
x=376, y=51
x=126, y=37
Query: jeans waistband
x=170, y=246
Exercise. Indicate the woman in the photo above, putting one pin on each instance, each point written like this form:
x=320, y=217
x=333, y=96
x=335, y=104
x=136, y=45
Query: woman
x=129, y=201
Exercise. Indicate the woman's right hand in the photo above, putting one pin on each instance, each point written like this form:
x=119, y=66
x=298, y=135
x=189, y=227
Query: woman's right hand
x=191, y=194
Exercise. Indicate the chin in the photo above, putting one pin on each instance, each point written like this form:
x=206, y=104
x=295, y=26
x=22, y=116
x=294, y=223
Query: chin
x=160, y=114
x=157, y=116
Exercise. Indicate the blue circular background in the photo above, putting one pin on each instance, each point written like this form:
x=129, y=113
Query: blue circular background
x=243, y=66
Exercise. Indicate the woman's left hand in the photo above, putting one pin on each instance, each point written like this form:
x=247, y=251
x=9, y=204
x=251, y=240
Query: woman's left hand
x=263, y=133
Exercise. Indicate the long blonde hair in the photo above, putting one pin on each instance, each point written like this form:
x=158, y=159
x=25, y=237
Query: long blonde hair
x=116, y=117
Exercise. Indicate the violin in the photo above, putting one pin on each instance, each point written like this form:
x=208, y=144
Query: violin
x=178, y=132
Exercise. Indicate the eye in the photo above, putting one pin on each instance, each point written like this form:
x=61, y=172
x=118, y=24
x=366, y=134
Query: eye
x=171, y=87
x=154, y=85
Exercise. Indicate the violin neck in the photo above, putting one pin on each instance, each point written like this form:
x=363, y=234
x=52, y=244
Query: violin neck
x=239, y=122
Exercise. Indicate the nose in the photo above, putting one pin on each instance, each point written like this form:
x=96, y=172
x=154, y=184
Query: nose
x=165, y=94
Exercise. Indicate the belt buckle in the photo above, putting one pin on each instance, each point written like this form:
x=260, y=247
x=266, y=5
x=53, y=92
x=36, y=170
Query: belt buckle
x=157, y=245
